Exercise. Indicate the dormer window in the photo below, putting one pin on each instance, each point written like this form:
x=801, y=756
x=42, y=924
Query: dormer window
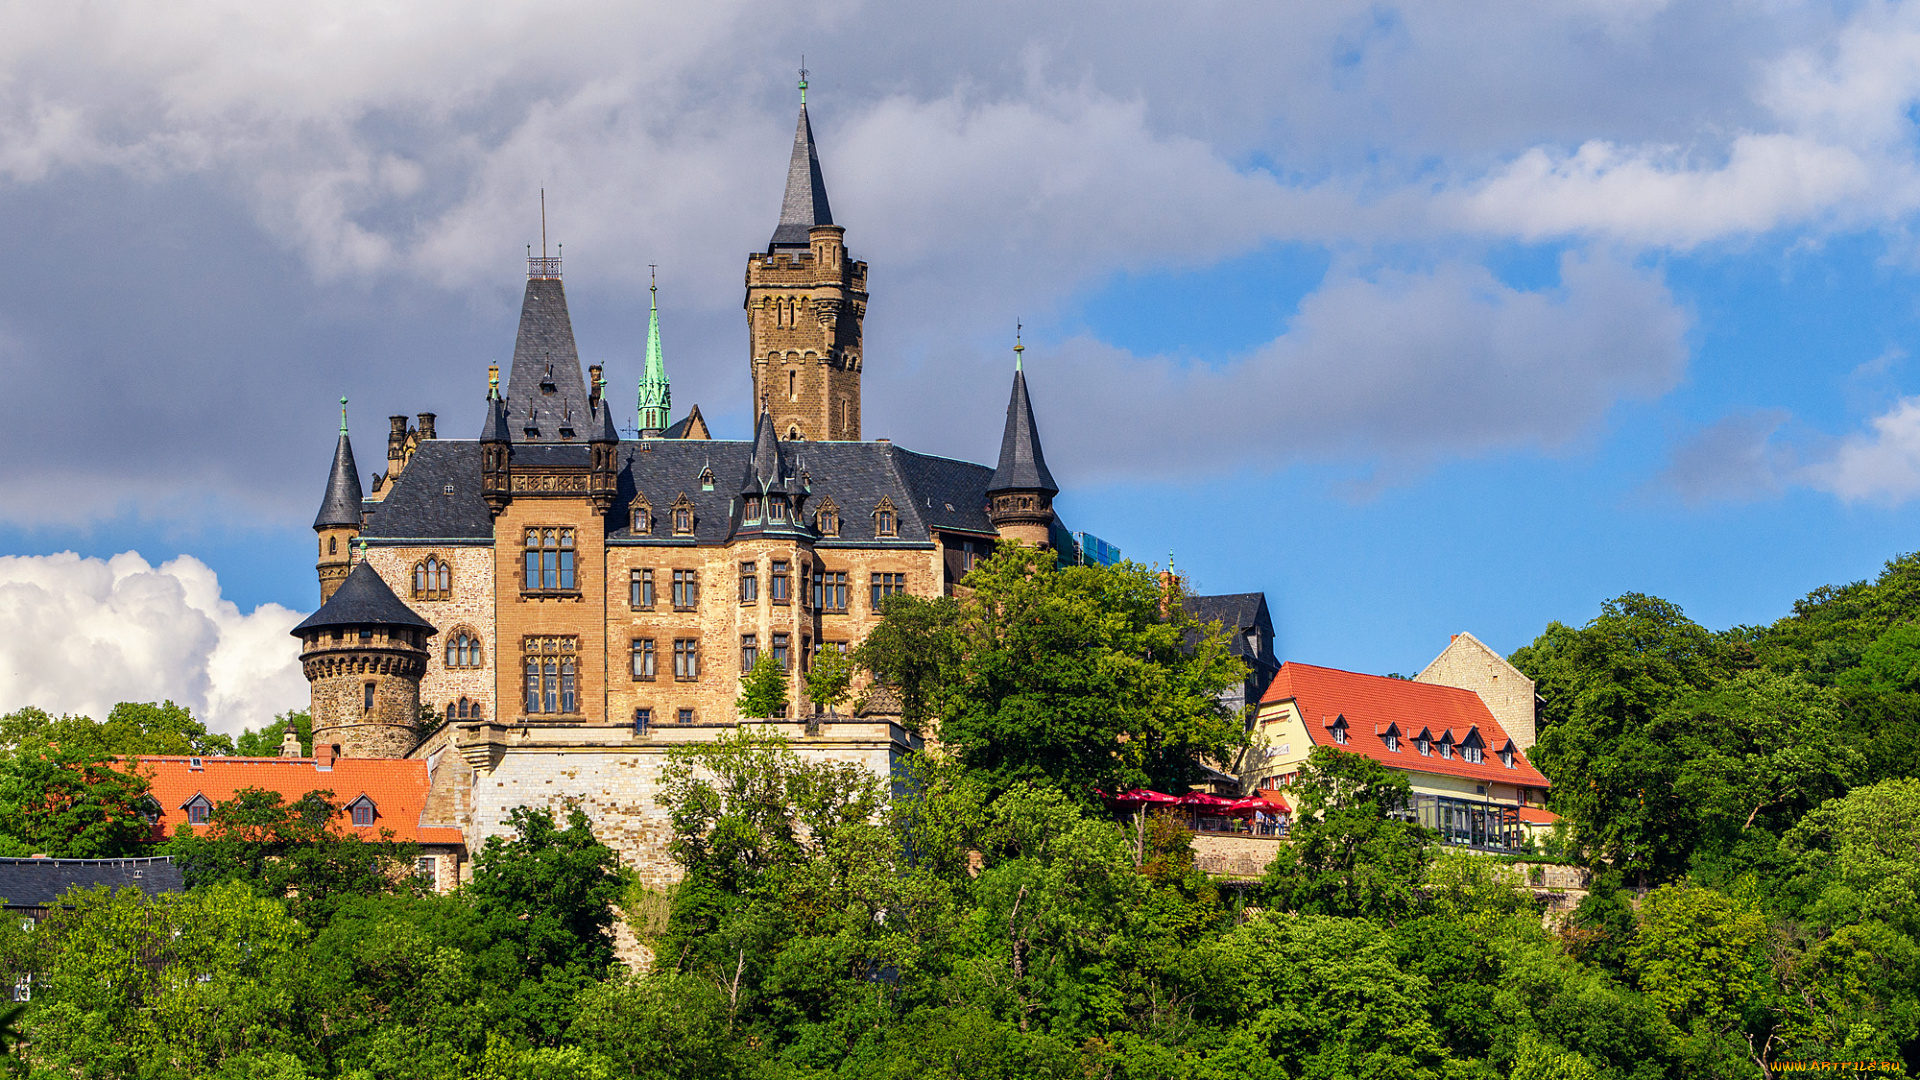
x=1339, y=730
x=1471, y=750
x=776, y=508
x=642, y=521
x=706, y=479
x=683, y=516
x=363, y=812
x=752, y=512
x=885, y=521
x=1391, y=740
x=199, y=810
x=1446, y=747
x=1506, y=757
x=826, y=520
x=1424, y=745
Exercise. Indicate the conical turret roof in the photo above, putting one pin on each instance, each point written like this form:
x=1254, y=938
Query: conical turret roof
x=341, y=506
x=1022, y=465
x=363, y=600
x=805, y=204
x=768, y=469
x=546, y=393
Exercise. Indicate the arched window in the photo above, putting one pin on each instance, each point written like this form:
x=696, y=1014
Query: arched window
x=793, y=433
x=432, y=579
x=642, y=519
x=793, y=386
x=464, y=709
x=463, y=649
x=333, y=545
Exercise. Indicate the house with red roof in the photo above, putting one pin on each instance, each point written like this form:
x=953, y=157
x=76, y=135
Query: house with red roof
x=377, y=797
x=1472, y=782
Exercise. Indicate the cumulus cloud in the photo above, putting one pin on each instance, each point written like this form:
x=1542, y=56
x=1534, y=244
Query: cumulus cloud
x=1734, y=459
x=1880, y=465
x=1399, y=367
x=79, y=635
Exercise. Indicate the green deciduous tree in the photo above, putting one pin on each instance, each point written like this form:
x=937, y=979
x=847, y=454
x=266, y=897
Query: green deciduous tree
x=1349, y=853
x=73, y=803
x=763, y=690
x=266, y=741
x=830, y=679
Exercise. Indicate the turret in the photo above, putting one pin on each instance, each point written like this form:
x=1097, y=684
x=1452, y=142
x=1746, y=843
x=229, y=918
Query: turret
x=496, y=449
x=363, y=654
x=1020, y=495
x=656, y=397
x=770, y=495
x=603, y=446
x=338, y=522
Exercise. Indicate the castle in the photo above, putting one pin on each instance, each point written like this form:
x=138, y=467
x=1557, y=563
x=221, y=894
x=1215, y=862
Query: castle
x=539, y=612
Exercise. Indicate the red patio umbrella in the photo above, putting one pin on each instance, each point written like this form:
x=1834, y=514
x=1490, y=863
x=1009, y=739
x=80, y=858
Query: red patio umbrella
x=1246, y=808
x=1203, y=801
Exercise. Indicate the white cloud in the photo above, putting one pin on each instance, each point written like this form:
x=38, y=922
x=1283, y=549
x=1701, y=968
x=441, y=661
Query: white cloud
x=1882, y=465
x=80, y=635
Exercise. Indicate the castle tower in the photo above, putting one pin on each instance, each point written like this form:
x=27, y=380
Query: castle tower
x=363, y=654
x=805, y=302
x=546, y=394
x=338, y=521
x=1020, y=495
x=656, y=397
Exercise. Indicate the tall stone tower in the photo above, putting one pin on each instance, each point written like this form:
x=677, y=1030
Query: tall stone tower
x=338, y=521
x=363, y=654
x=1020, y=495
x=805, y=302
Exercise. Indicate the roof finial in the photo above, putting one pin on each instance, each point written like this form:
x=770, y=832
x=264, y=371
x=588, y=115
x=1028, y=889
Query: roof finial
x=493, y=382
x=803, y=78
x=343, y=416
x=1017, y=347
x=653, y=281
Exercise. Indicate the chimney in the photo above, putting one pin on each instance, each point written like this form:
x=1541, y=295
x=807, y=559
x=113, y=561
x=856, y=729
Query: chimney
x=323, y=754
x=426, y=426
x=1167, y=583
x=397, y=438
x=290, y=743
x=593, y=385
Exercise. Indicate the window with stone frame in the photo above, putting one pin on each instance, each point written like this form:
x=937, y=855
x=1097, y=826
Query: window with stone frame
x=548, y=559
x=686, y=659
x=777, y=582
x=749, y=651
x=551, y=664
x=886, y=522
x=780, y=651
x=686, y=590
x=683, y=515
x=829, y=589
x=750, y=510
x=642, y=656
x=432, y=579
x=366, y=696
x=776, y=508
x=464, y=709
x=885, y=585
x=463, y=649
x=749, y=583
x=686, y=716
x=826, y=519
x=640, y=518
x=640, y=589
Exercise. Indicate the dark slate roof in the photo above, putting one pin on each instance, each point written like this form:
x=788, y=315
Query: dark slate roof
x=767, y=470
x=682, y=428
x=603, y=429
x=855, y=475
x=545, y=390
x=1236, y=611
x=40, y=882
x=417, y=506
x=496, y=428
x=342, y=503
x=363, y=600
x=806, y=202
x=1022, y=466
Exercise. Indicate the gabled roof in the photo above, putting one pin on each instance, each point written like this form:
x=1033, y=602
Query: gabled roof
x=805, y=204
x=545, y=389
x=40, y=882
x=341, y=504
x=363, y=600
x=691, y=426
x=1022, y=466
x=1370, y=702
x=1236, y=611
x=397, y=786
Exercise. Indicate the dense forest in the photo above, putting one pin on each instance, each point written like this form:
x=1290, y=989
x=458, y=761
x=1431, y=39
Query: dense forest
x=1746, y=800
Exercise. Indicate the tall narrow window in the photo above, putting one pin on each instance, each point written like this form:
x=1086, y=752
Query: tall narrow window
x=686, y=590
x=642, y=720
x=751, y=513
x=551, y=664
x=686, y=659
x=830, y=590
x=333, y=545
x=780, y=650
x=883, y=523
x=642, y=522
x=366, y=699
x=549, y=559
x=777, y=583
x=640, y=589
x=643, y=658
x=749, y=651
x=793, y=386
x=776, y=508
x=683, y=521
x=885, y=585
x=749, y=582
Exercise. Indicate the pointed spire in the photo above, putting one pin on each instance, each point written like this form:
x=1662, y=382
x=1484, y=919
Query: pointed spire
x=805, y=204
x=341, y=506
x=1022, y=465
x=603, y=430
x=767, y=470
x=496, y=428
x=546, y=392
x=364, y=599
x=656, y=397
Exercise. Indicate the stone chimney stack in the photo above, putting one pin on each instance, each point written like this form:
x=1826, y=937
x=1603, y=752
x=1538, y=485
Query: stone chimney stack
x=426, y=426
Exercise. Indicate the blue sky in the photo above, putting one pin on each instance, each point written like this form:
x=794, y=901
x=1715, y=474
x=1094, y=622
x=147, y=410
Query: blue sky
x=1421, y=317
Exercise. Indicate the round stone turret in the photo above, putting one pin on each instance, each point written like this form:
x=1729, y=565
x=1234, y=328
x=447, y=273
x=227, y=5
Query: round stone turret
x=364, y=653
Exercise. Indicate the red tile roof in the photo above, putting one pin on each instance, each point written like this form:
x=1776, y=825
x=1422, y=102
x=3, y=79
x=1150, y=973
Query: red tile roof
x=397, y=786
x=1538, y=815
x=1370, y=704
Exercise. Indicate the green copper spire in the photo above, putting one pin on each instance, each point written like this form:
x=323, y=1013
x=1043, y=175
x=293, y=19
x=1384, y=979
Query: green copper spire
x=656, y=397
x=803, y=79
x=343, y=416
